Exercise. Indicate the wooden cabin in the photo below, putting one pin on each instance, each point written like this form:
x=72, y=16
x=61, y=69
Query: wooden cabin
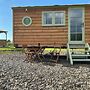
x=52, y=26
x=3, y=42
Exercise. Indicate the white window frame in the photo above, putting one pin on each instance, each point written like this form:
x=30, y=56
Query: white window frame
x=53, y=18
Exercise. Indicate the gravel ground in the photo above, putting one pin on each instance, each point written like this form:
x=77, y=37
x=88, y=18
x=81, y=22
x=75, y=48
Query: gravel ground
x=15, y=74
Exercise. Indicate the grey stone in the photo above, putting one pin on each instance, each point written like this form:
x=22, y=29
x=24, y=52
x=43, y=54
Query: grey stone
x=15, y=74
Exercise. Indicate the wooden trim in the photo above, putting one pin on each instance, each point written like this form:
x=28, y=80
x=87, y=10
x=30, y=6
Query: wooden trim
x=13, y=25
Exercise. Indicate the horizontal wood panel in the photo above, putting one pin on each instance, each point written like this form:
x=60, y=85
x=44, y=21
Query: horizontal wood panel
x=43, y=44
x=87, y=29
x=43, y=27
x=46, y=43
x=42, y=40
x=87, y=23
x=41, y=30
x=33, y=18
x=23, y=13
x=34, y=10
x=34, y=22
x=40, y=37
x=87, y=40
x=41, y=33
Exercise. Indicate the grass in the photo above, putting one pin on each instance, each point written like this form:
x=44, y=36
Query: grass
x=9, y=50
x=62, y=51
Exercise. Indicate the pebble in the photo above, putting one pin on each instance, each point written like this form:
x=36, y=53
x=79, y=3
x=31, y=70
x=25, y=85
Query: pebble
x=15, y=74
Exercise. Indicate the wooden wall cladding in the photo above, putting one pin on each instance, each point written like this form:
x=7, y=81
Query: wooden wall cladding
x=45, y=35
x=87, y=24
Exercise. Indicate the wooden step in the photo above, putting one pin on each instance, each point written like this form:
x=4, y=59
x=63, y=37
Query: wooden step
x=81, y=59
x=81, y=55
x=76, y=45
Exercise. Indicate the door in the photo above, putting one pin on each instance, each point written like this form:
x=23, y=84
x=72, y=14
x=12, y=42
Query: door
x=76, y=25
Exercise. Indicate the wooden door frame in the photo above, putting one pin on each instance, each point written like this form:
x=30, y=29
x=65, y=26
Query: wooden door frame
x=83, y=32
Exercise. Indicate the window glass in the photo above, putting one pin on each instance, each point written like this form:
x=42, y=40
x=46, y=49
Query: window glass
x=76, y=13
x=59, y=18
x=79, y=37
x=26, y=21
x=48, y=18
x=73, y=37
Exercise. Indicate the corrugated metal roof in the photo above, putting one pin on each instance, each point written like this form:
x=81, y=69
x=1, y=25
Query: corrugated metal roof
x=52, y=5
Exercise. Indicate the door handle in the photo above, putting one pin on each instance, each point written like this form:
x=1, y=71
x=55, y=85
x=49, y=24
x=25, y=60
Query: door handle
x=82, y=24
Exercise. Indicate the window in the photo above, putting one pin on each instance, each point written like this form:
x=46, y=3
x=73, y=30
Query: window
x=47, y=18
x=59, y=18
x=27, y=21
x=53, y=18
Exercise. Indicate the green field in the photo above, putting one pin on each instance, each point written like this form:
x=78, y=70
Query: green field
x=10, y=50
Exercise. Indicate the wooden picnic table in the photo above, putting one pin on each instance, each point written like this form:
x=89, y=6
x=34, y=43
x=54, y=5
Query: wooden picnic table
x=32, y=53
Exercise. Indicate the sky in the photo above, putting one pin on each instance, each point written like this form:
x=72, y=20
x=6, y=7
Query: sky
x=6, y=11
